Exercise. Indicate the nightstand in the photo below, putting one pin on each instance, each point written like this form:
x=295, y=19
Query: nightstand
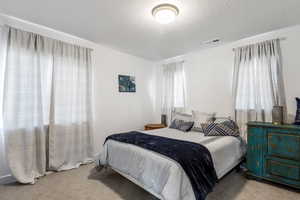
x=273, y=153
x=154, y=126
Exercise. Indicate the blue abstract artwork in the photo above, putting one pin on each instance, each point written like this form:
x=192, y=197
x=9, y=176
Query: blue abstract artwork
x=126, y=83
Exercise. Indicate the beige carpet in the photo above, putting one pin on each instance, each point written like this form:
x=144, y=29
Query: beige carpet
x=86, y=183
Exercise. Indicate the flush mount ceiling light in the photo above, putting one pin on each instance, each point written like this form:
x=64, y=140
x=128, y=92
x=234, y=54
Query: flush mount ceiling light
x=165, y=13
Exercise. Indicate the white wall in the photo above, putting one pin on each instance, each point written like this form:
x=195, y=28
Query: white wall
x=116, y=111
x=113, y=111
x=209, y=72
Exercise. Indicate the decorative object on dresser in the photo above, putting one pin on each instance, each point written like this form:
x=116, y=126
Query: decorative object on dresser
x=297, y=118
x=154, y=126
x=273, y=153
x=277, y=115
x=164, y=120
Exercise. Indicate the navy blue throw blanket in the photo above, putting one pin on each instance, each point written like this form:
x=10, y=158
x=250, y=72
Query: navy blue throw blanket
x=195, y=159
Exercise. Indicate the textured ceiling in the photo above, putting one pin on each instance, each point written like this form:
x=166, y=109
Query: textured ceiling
x=127, y=25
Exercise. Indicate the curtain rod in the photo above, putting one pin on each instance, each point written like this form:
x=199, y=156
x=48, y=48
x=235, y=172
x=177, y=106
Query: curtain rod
x=166, y=63
x=280, y=38
x=90, y=49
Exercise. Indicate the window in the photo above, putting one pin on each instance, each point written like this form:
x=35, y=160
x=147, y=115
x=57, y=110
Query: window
x=254, y=90
x=173, y=88
x=179, y=88
x=40, y=71
x=258, y=82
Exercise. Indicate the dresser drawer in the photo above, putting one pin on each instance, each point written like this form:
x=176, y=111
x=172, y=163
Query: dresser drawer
x=276, y=169
x=283, y=145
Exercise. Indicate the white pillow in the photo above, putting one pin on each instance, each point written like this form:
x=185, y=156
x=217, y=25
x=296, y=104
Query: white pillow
x=182, y=116
x=202, y=118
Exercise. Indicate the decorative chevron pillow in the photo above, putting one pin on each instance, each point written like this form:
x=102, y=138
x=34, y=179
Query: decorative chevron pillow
x=297, y=118
x=200, y=118
x=226, y=128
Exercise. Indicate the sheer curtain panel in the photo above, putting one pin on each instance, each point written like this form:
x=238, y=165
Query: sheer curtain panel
x=25, y=64
x=258, y=82
x=4, y=172
x=71, y=138
x=174, y=88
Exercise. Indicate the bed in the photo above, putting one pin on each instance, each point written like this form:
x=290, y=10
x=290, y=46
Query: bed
x=162, y=176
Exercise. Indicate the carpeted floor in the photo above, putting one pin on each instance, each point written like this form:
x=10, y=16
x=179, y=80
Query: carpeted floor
x=86, y=183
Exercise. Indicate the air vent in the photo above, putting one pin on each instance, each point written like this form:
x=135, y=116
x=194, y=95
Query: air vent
x=212, y=41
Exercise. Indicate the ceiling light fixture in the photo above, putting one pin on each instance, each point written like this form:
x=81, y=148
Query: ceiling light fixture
x=165, y=13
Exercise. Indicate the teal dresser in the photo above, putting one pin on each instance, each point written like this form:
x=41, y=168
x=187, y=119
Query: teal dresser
x=273, y=153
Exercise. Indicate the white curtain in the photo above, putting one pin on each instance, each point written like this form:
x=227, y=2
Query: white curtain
x=258, y=82
x=23, y=108
x=3, y=164
x=173, y=88
x=71, y=138
x=44, y=81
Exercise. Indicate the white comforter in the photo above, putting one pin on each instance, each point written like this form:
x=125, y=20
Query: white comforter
x=162, y=176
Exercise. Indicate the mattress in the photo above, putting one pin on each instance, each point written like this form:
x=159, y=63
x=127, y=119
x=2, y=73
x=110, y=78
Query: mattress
x=162, y=176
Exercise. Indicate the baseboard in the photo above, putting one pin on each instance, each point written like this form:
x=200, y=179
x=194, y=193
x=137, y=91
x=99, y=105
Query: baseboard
x=7, y=179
